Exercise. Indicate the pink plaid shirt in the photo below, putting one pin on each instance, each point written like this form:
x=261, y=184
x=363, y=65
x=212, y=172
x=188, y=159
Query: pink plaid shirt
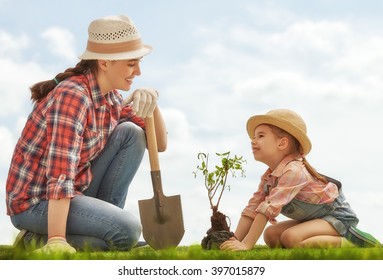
x=63, y=134
x=288, y=181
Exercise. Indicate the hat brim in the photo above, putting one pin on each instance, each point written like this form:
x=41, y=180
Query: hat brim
x=88, y=55
x=287, y=126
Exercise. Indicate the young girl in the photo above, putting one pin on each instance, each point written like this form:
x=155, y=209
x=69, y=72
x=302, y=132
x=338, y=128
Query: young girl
x=81, y=147
x=320, y=215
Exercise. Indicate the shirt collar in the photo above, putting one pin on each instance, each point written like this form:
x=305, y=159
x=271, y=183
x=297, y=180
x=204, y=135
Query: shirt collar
x=281, y=166
x=112, y=98
x=95, y=92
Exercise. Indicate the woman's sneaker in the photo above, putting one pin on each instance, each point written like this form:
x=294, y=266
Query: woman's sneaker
x=27, y=241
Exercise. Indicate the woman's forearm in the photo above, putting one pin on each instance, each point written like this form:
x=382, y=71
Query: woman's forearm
x=58, y=210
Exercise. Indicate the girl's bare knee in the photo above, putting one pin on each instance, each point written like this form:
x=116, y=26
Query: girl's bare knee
x=271, y=237
x=289, y=240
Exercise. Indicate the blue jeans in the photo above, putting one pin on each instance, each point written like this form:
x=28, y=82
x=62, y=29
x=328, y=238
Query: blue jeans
x=97, y=219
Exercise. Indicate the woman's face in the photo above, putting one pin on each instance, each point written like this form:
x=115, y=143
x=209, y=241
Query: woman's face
x=119, y=74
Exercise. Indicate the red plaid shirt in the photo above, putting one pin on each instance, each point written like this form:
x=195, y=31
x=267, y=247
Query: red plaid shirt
x=289, y=180
x=64, y=132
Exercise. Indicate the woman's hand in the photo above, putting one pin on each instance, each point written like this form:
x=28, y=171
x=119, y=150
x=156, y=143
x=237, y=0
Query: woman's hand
x=233, y=244
x=144, y=101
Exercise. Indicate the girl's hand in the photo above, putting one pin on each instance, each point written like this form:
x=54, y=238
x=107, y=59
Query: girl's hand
x=233, y=245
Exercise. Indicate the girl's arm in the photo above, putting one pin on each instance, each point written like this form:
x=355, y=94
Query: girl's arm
x=243, y=227
x=160, y=127
x=247, y=233
x=255, y=231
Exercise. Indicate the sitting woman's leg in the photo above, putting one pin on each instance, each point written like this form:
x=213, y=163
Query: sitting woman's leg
x=94, y=224
x=114, y=169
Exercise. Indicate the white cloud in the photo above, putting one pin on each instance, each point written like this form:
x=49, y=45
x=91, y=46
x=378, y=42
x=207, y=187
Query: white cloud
x=176, y=123
x=18, y=75
x=326, y=37
x=270, y=14
x=15, y=83
x=362, y=60
x=11, y=45
x=60, y=42
x=7, y=143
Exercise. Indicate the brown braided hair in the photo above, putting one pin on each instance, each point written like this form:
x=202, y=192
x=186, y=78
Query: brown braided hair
x=296, y=147
x=41, y=89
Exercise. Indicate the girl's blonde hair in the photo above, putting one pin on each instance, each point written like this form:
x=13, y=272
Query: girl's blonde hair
x=296, y=147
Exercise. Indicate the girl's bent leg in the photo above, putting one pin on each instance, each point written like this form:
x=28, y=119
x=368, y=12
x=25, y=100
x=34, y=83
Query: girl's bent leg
x=272, y=234
x=317, y=233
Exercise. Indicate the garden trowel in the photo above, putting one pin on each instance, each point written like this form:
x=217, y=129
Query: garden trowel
x=161, y=216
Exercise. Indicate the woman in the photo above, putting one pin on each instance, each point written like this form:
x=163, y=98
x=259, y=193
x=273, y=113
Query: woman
x=81, y=147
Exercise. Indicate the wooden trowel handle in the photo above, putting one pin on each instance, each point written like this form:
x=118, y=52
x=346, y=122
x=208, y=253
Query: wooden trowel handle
x=152, y=144
x=154, y=165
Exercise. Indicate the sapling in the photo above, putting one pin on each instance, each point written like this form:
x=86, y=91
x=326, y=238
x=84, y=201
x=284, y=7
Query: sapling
x=216, y=182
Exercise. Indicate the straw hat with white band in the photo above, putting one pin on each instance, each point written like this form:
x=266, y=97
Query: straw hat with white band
x=114, y=38
x=287, y=120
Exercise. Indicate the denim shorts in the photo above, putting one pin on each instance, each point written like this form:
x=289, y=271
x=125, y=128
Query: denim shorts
x=338, y=213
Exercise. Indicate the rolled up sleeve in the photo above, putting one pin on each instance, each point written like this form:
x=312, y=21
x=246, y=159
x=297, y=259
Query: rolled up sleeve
x=254, y=202
x=127, y=115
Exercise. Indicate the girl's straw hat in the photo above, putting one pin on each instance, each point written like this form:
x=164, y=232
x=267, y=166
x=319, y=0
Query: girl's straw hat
x=285, y=119
x=114, y=38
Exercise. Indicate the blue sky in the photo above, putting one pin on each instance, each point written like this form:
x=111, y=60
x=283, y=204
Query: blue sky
x=215, y=64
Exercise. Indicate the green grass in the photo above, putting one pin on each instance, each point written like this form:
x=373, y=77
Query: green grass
x=195, y=252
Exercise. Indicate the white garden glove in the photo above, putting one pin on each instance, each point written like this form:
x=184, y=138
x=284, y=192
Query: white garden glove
x=56, y=245
x=144, y=101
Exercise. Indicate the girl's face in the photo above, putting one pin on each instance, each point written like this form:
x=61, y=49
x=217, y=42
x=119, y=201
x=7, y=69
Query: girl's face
x=119, y=74
x=266, y=146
